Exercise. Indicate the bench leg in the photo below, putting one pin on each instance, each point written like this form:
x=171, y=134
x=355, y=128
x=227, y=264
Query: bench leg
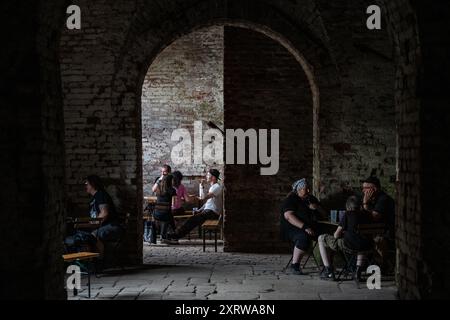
x=215, y=240
x=204, y=240
x=89, y=280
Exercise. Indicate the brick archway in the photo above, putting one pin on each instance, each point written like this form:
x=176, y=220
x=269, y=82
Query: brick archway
x=145, y=43
x=422, y=269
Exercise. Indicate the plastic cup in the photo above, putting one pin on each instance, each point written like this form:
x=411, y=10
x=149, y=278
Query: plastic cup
x=333, y=216
x=341, y=215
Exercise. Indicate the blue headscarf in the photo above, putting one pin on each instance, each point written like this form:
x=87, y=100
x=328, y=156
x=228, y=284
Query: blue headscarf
x=299, y=184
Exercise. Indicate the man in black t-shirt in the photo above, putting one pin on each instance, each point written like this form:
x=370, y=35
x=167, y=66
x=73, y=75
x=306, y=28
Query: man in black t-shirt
x=298, y=217
x=346, y=238
x=380, y=205
x=101, y=206
x=382, y=208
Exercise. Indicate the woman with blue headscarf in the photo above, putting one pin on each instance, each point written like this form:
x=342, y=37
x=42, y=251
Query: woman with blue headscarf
x=298, y=220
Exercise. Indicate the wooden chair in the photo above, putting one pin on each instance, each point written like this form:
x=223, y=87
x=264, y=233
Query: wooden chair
x=211, y=226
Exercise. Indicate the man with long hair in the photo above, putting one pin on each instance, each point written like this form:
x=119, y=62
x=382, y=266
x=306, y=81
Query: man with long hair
x=102, y=207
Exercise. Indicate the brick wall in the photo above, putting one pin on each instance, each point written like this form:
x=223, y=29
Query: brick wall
x=32, y=172
x=184, y=84
x=434, y=85
x=100, y=138
x=104, y=67
x=267, y=90
x=421, y=96
x=358, y=130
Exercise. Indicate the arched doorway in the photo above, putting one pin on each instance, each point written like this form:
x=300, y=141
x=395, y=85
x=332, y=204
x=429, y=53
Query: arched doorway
x=143, y=47
x=279, y=81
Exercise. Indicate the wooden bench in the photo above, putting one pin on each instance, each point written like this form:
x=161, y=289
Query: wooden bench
x=73, y=258
x=186, y=215
x=211, y=226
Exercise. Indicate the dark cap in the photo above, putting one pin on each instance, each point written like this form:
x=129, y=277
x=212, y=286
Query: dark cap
x=373, y=180
x=215, y=173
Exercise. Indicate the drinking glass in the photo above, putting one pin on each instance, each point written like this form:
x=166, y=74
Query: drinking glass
x=333, y=216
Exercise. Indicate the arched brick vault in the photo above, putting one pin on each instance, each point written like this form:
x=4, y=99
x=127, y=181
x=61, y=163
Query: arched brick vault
x=422, y=269
x=151, y=33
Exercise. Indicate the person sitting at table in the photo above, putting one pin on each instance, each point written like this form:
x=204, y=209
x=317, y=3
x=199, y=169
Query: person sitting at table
x=182, y=196
x=346, y=238
x=382, y=208
x=102, y=207
x=212, y=209
x=165, y=199
x=299, y=214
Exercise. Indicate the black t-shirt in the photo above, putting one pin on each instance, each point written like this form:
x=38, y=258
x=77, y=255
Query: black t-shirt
x=301, y=210
x=385, y=205
x=352, y=239
x=102, y=198
x=166, y=197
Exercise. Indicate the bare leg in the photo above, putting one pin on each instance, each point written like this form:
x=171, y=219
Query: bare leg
x=324, y=252
x=297, y=255
x=360, y=260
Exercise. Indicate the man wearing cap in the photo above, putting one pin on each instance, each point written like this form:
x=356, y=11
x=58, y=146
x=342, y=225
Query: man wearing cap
x=379, y=204
x=382, y=208
x=299, y=214
x=212, y=209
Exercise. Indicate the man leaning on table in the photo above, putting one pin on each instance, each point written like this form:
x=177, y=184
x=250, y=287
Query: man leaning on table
x=382, y=209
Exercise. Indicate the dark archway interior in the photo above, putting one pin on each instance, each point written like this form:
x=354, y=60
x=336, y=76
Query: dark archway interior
x=73, y=99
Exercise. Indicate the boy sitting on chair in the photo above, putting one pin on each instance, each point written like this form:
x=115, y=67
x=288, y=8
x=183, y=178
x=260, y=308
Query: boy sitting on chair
x=346, y=238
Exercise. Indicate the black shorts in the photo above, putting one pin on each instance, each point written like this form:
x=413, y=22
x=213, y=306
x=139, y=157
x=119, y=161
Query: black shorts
x=300, y=238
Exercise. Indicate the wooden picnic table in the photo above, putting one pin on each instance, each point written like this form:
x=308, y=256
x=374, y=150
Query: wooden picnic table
x=75, y=259
x=326, y=226
x=150, y=199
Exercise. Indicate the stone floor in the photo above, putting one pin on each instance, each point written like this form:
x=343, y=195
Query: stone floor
x=185, y=272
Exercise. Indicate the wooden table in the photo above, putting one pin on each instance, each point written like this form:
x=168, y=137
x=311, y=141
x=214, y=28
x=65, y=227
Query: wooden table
x=326, y=226
x=84, y=223
x=75, y=258
x=150, y=199
x=327, y=222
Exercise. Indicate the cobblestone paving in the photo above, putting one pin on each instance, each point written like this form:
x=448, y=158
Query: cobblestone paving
x=185, y=272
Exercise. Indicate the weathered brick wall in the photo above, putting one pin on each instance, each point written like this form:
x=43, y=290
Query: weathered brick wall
x=409, y=208
x=264, y=91
x=100, y=138
x=434, y=85
x=104, y=65
x=184, y=84
x=422, y=117
x=32, y=170
x=358, y=131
